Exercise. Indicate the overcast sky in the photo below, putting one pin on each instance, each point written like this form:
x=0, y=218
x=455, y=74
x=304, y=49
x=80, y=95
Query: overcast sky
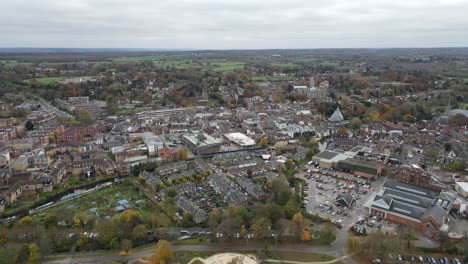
x=233, y=24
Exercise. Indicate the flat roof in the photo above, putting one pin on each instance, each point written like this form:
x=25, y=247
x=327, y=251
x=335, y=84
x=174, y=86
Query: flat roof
x=207, y=139
x=240, y=139
x=463, y=186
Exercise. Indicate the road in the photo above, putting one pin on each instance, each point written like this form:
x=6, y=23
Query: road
x=46, y=106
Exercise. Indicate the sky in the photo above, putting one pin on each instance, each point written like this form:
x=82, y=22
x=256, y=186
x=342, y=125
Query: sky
x=233, y=24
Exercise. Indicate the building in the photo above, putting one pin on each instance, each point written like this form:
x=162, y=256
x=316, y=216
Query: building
x=38, y=117
x=337, y=116
x=240, y=140
x=462, y=188
x=202, y=143
x=168, y=153
x=328, y=159
x=345, y=200
x=360, y=167
x=419, y=207
x=417, y=176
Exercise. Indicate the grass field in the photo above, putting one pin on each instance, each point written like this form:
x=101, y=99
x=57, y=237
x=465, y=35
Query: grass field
x=300, y=256
x=136, y=59
x=273, y=78
x=103, y=202
x=285, y=64
x=13, y=63
x=46, y=80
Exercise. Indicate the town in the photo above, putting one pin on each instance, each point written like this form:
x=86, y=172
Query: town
x=279, y=148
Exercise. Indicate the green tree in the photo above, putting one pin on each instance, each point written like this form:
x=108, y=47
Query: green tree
x=29, y=125
x=448, y=146
x=171, y=192
x=85, y=116
x=126, y=245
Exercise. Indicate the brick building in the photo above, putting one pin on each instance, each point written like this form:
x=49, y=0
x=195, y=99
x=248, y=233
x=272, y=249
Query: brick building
x=422, y=208
x=416, y=176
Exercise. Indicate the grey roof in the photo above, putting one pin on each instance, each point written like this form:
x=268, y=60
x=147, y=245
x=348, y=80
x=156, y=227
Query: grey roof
x=347, y=198
x=437, y=212
x=413, y=201
x=409, y=188
x=326, y=154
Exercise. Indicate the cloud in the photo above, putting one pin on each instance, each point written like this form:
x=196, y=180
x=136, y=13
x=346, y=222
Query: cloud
x=233, y=24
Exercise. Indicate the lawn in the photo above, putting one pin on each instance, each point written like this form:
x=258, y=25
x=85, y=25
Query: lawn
x=46, y=80
x=103, y=202
x=300, y=256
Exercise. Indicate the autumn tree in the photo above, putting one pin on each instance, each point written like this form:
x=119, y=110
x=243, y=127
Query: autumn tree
x=356, y=122
x=263, y=142
x=305, y=235
x=80, y=219
x=164, y=254
x=182, y=154
x=260, y=227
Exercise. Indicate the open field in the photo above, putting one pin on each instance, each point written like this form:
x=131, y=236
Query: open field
x=13, y=63
x=273, y=78
x=103, y=202
x=300, y=256
x=46, y=80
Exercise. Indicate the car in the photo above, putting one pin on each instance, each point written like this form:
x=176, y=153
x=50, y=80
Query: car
x=421, y=259
x=412, y=259
x=379, y=226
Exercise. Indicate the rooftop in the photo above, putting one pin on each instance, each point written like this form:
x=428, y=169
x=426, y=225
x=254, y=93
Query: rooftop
x=240, y=139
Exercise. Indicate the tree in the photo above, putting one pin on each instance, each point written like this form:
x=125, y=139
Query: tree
x=80, y=220
x=242, y=231
x=182, y=154
x=164, y=254
x=34, y=254
x=305, y=235
x=85, y=116
x=29, y=125
x=291, y=208
x=26, y=221
x=373, y=114
x=171, y=192
x=139, y=234
x=126, y=245
x=353, y=242
x=260, y=227
x=356, y=122
x=448, y=146
x=263, y=142
x=82, y=240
